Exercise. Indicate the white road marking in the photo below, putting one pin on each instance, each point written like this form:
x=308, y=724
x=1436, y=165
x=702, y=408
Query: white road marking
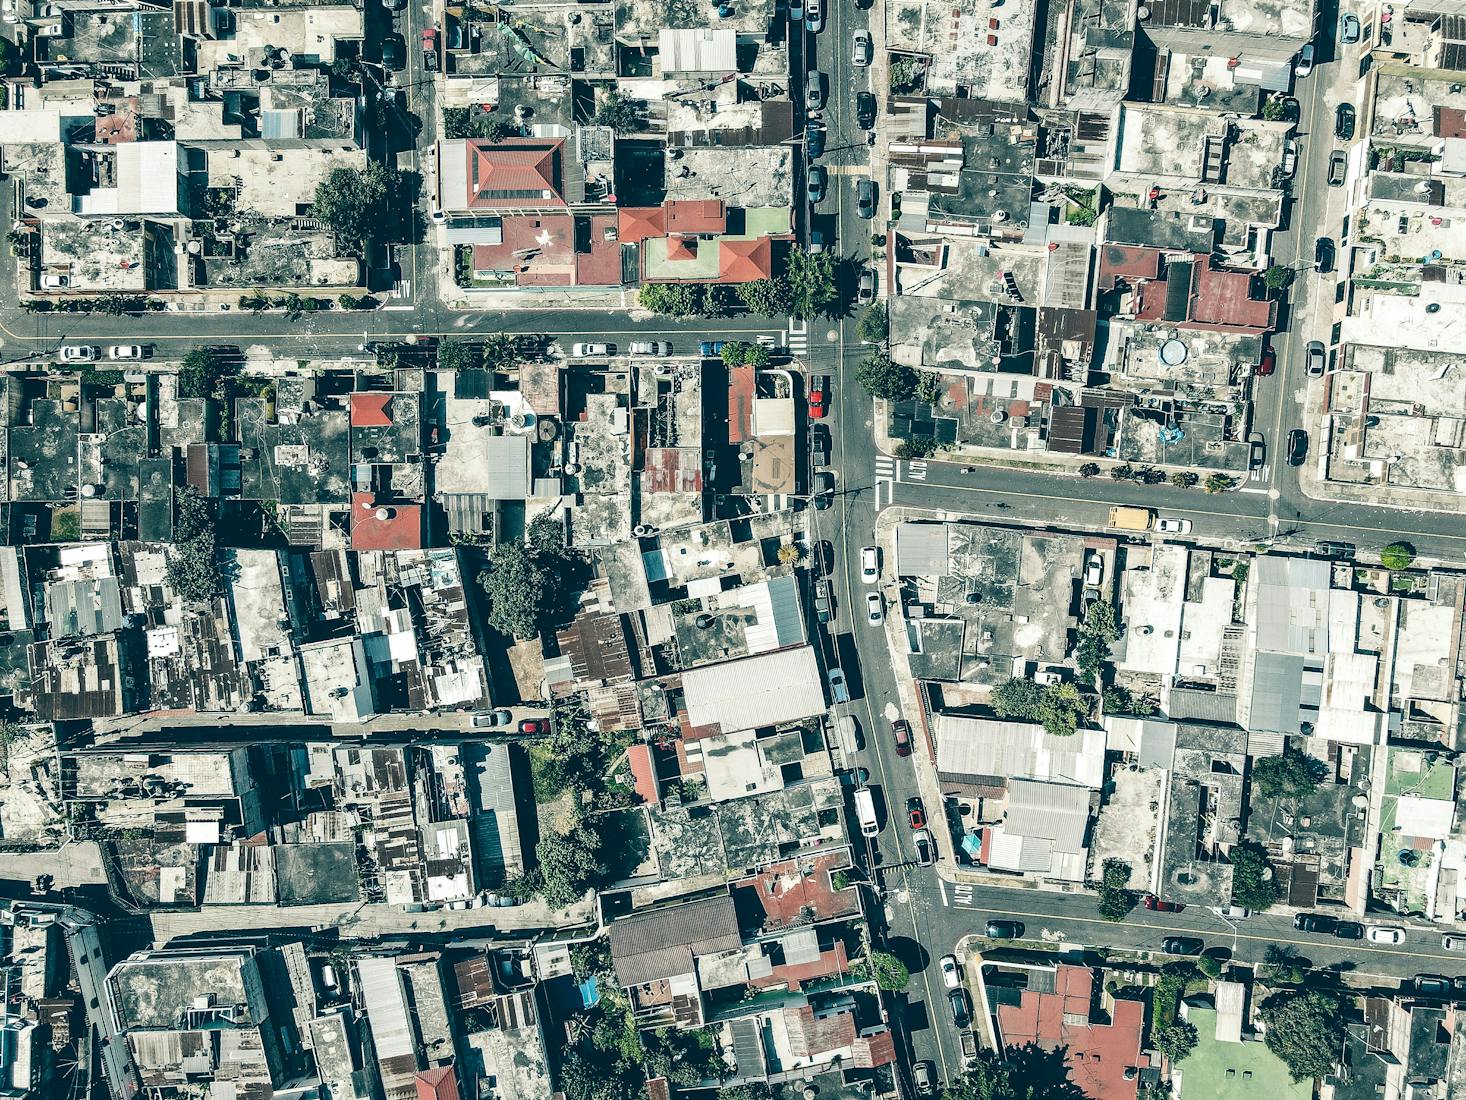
x=916, y=469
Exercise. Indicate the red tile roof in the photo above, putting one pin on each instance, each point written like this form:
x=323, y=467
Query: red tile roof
x=644, y=772
x=696, y=216
x=682, y=248
x=874, y=1050
x=795, y=891
x=1097, y=1053
x=517, y=172
x=740, y=404
x=637, y=223
x=371, y=410
x=745, y=261
x=437, y=1084
x=399, y=529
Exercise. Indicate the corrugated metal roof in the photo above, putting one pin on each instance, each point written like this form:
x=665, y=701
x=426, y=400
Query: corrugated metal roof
x=386, y=1007
x=1055, y=812
x=784, y=604
x=280, y=124
x=921, y=550
x=1292, y=604
x=1203, y=706
x=1277, y=690
x=992, y=747
x=764, y=690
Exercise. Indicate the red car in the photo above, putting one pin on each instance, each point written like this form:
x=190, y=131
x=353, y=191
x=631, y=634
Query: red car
x=1268, y=363
x=534, y=725
x=1150, y=901
x=819, y=395
x=915, y=813
x=902, y=729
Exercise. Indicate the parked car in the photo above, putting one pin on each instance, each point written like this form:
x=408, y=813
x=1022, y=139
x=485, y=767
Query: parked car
x=1313, y=356
x=1094, y=569
x=55, y=282
x=814, y=16
x=860, y=48
x=1168, y=525
x=1338, y=168
x=589, y=351
x=1289, y=107
x=1315, y=922
x=1290, y=157
x=1231, y=912
x=79, y=353
x=1003, y=929
x=870, y=565
x=1323, y=255
x=709, y=348
x=865, y=290
x=1328, y=548
x=824, y=604
x=1385, y=933
x=819, y=444
x=814, y=90
x=1430, y=985
x=1303, y=64
x=1349, y=29
x=951, y=971
x=924, y=1078
x=815, y=184
x=128, y=351
x=865, y=110
x=839, y=688
x=875, y=609
x=1453, y=943
x=1297, y=447
x=1349, y=930
x=1182, y=945
x=816, y=242
x=822, y=557
x=1150, y=901
x=901, y=734
x=1344, y=119
x=824, y=490
x=915, y=812
x=961, y=1012
x=430, y=49
x=1256, y=451
x=491, y=719
x=814, y=139
x=819, y=395
x=534, y=725
x=1268, y=363
x=394, y=52
x=926, y=847
x=649, y=347
x=865, y=198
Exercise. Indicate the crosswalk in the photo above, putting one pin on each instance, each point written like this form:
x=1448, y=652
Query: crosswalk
x=916, y=470
x=796, y=337
x=885, y=480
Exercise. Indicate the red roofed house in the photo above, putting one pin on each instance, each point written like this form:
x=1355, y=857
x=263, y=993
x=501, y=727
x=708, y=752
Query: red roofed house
x=371, y=410
x=1098, y=1054
x=514, y=174
x=384, y=526
x=1184, y=289
x=745, y=261
x=440, y=1083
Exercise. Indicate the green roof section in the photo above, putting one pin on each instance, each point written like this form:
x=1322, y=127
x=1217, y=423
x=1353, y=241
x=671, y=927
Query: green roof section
x=1233, y=1071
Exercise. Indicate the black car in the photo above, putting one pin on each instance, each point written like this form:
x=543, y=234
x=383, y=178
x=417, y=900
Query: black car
x=1338, y=168
x=1289, y=107
x=1003, y=929
x=1344, y=121
x=394, y=52
x=819, y=444
x=1323, y=255
x=824, y=489
x=814, y=140
x=1431, y=985
x=1315, y=922
x=1349, y=930
x=823, y=558
x=1182, y=945
x=961, y=1012
x=1297, y=447
x=1256, y=451
x=865, y=110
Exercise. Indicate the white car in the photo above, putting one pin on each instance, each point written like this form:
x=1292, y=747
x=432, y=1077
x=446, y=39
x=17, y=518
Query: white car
x=649, y=347
x=1290, y=157
x=875, y=608
x=1378, y=933
x=492, y=719
x=870, y=565
x=126, y=351
x=78, y=353
x=951, y=972
x=55, y=282
x=1170, y=526
x=1232, y=912
x=589, y=351
x=1094, y=572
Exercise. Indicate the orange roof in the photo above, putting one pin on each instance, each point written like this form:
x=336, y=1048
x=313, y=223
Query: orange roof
x=745, y=261
x=400, y=528
x=371, y=410
x=696, y=216
x=637, y=223
x=682, y=248
x=644, y=771
x=518, y=172
x=439, y=1083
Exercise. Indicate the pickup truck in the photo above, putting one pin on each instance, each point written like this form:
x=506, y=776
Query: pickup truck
x=1131, y=519
x=968, y=1041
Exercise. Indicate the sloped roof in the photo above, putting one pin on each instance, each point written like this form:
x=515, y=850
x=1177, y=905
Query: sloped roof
x=661, y=943
x=518, y=173
x=371, y=410
x=745, y=261
x=696, y=216
x=637, y=223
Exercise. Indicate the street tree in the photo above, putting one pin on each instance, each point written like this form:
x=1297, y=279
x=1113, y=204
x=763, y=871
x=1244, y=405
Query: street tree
x=872, y=326
x=1397, y=555
x=354, y=204
x=1220, y=483
x=766, y=297
x=890, y=381
x=455, y=355
x=499, y=352
x=1116, y=898
x=1277, y=277
x=886, y=970
x=1186, y=479
x=812, y=287
x=1306, y=1030
x=1089, y=469
x=671, y=299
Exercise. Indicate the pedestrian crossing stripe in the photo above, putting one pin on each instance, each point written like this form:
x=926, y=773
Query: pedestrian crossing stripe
x=885, y=466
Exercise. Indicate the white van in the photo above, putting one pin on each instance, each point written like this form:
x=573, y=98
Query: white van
x=865, y=810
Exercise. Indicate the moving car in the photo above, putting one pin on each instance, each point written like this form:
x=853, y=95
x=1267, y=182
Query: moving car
x=1304, y=63
x=865, y=110
x=1297, y=447
x=1344, y=118
x=1150, y=901
x=649, y=347
x=1383, y=933
x=127, y=351
x=78, y=353
x=1313, y=356
x=814, y=90
x=814, y=139
x=915, y=812
x=1168, y=525
x=875, y=609
x=865, y=290
x=534, y=725
x=860, y=48
x=1256, y=451
x=926, y=847
x=1182, y=945
x=865, y=198
x=870, y=565
x=824, y=490
x=55, y=282
x=1315, y=922
x=1268, y=363
x=1323, y=255
x=819, y=395
x=1349, y=29
x=708, y=348
x=951, y=972
x=1338, y=168
x=957, y=1001
x=815, y=184
x=1003, y=929
x=901, y=731
x=587, y=351
x=1349, y=930
x=491, y=719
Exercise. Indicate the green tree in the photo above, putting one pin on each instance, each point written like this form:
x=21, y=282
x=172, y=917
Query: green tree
x=1116, y=898
x=1017, y=1073
x=1272, y=110
x=1292, y=775
x=1397, y=555
x=1277, y=277
x=1096, y=635
x=906, y=73
x=929, y=387
x=1306, y=1030
x=66, y=526
x=1017, y=698
x=619, y=113
x=1119, y=699
x=571, y=864
x=455, y=355
x=882, y=378
x=886, y=970
x=766, y=297
x=201, y=374
x=1209, y=965
x=499, y=352
x=1089, y=469
x=812, y=287
x=1282, y=963
x=1059, y=707
x=1177, y=1041
x=1123, y=472
x=1254, y=886
x=717, y=301
x=921, y=447
x=671, y=299
x=519, y=590
x=193, y=561
x=355, y=204
x=1186, y=479
x=735, y=353
x=754, y=1091
x=872, y=326
x=1219, y=483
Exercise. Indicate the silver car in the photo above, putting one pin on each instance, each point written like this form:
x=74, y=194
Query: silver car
x=860, y=48
x=1315, y=358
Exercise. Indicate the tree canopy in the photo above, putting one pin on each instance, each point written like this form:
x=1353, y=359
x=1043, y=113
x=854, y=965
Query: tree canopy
x=193, y=562
x=1292, y=775
x=1116, y=898
x=1397, y=555
x=1096, y=634
x=812, y=286
x=1178, y=1040
x=1017, y=1073
x=880, y=377
x=1306, y=1030
x=201, y=372
x=570, y=864
x=619, y=113
x=886, y=970
x=519, y=588
x=766, y=297
x=1059, y=707
x=872, y=326
x=1253, y=884
x=354, y=204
